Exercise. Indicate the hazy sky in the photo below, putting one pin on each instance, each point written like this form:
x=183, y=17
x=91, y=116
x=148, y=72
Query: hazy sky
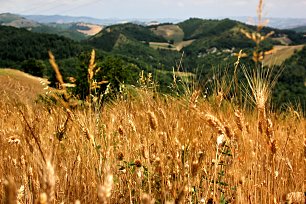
x=155, y=8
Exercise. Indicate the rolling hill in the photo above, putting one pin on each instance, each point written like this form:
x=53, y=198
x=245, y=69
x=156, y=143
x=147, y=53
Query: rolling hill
x=131, y=31
x=133, y=42
x=197, y=45
x=277, y=23
x=17, y=85
x=18, y=45
x=17, y=21
x=74, y=30
x=205, y=43
x=61, y=19
x=169, y=31
x=156, y=45
x=300, y=29
x=280, y=53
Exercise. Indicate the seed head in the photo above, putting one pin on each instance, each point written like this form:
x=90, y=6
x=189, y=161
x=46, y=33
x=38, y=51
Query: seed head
x=152, y=120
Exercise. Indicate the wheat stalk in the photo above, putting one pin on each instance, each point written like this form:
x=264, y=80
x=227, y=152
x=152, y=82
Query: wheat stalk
x=153, y=122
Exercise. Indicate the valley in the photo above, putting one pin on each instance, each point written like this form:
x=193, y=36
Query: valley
x=196, y=46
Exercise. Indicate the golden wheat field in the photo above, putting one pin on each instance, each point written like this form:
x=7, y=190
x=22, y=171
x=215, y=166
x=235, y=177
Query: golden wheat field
x=151, y=148
x=147, y=147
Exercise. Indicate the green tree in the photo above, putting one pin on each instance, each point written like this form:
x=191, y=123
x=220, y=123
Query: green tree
x=116, y=71
x=113, y=70
x=34, y=67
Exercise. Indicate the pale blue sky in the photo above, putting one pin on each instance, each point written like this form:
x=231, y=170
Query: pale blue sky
x=181, y=9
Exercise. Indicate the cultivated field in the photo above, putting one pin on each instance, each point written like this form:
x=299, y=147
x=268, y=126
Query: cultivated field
x=158, y=45
x=149, y=148
x=92, y=29
x=170, y=32
x=280, y=53
x=176, y=46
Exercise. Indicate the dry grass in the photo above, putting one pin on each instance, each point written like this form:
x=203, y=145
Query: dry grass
x=280, y=53
x=149, y=149
x=159, y=45
x=176, y=46
x=92, y=29
x=152, y=148
x=17, y=84
x=283, y=40
x=182, y=44
x=170, y=32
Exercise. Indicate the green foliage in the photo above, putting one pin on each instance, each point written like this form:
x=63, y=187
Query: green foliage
x=301, y=29
x=196, y=28
x=116, y=71
x=33, y=67
x=18, y=45
x=113, y=72
x=290, y=88
x=82, y=85
x=68, y=32
x=104, y=42
x=68, y=67
x=136, y=32
x=158, y=59
x=108, y=37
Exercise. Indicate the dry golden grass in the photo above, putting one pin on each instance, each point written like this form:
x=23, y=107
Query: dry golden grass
x=280, y=53
x=17, y=84
x=176, y=46
x=93, y=29
x=283, y=40
x=149, y=149
x=169, y=32
x=152, y=148
x=159, y=45
x=182, y=44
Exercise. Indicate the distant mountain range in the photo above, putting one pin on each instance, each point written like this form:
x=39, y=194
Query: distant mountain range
x=280, y=23
x=79, y=29
x=106, y=21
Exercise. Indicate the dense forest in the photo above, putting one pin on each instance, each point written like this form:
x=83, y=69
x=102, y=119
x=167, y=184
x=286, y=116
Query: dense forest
x=18, y=45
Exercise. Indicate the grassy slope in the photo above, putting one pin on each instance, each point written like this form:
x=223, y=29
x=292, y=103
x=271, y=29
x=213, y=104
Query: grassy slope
x=61, y=30
x=281, y=53
x=169, y=32
x=19, y=85
x=7, y=18
x=91, y=29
